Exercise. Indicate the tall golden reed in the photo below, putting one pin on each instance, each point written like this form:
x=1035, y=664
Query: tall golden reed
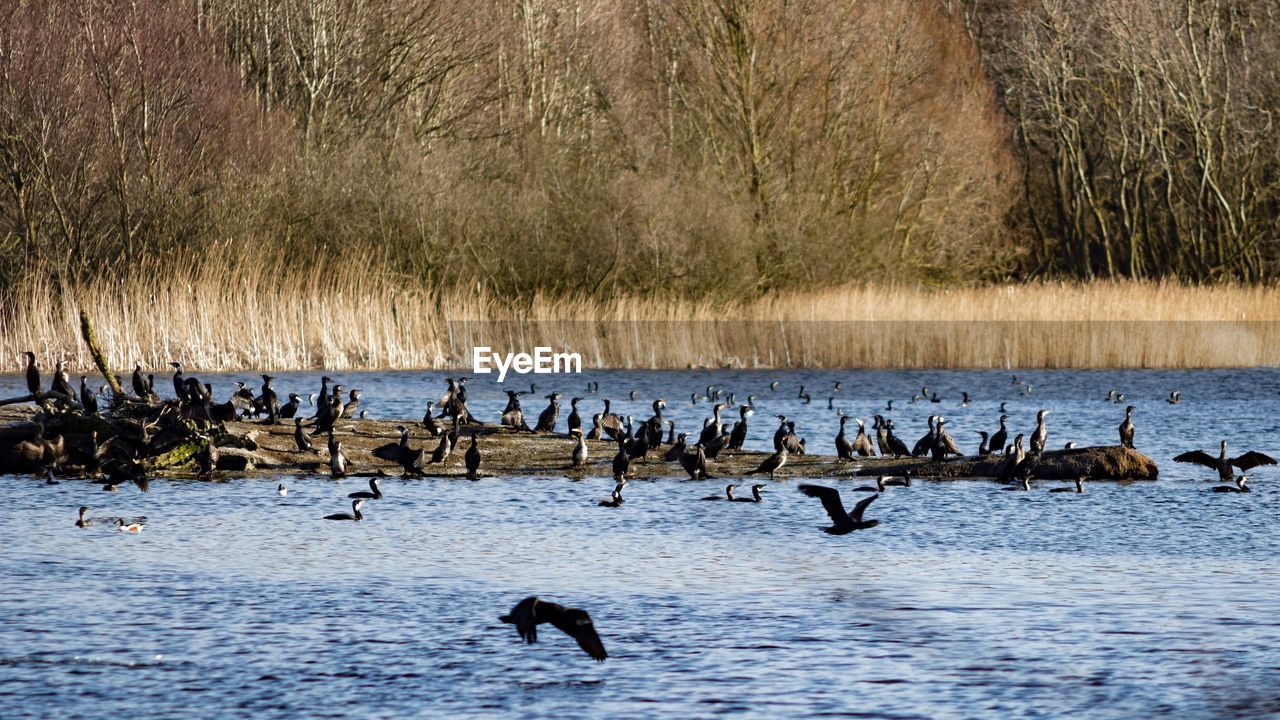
x=238, y=323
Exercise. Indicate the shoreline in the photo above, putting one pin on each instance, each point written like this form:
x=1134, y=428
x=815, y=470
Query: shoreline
x=381, y=326
x=251, y=449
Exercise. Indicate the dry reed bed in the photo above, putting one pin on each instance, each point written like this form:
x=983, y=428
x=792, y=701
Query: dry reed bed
x=298, y=323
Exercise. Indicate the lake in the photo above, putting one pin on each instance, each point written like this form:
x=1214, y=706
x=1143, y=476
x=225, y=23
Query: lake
x=1133, y=599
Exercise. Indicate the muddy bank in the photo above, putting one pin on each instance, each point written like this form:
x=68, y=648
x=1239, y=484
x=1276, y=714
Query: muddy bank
x=255, y=449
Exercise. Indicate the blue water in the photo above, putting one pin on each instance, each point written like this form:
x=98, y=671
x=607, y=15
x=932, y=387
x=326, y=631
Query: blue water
x=1131, y=600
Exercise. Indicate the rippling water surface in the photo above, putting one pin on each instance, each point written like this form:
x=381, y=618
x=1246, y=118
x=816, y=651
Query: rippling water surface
x=967, y=601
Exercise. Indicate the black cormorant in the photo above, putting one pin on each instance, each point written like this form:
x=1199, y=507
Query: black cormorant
x=843, y=522
x=1079, y=487
x=771, y=464
x=531, y=612
x=1040, y=435
x=1126, y=428
x=999, y=437
x=355, y=513
x=88, y=400
x=373, y=493
x=1222, y=463
x=726, y=495
x=1239, y=487
x=472, y=459
x=579, y=448
x=33, y=374
x=574, y=419
x=300, y=438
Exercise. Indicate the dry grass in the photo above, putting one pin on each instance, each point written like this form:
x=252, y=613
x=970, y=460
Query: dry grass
x=362, y=323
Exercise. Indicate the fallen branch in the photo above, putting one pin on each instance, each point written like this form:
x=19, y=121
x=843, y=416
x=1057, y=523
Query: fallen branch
x=86, y=332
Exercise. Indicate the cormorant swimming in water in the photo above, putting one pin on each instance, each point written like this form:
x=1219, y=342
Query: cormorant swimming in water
x=373, y=493
x=1024, y=485
x=1239, y=487
x=755, y=495
x=1079, y=488
x=771, y=464
x=880, y=485
x=843, y=522
x=614, y=500
x=904, y=481
x=728, y=494
x=531, y=612
x=1222, y=463
x=1126, y=428
x=355, y=513
x=83, y=522
x=472, y=459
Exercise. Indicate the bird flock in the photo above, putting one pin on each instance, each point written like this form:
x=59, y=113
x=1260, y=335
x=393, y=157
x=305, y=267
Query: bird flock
x=449, y=418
